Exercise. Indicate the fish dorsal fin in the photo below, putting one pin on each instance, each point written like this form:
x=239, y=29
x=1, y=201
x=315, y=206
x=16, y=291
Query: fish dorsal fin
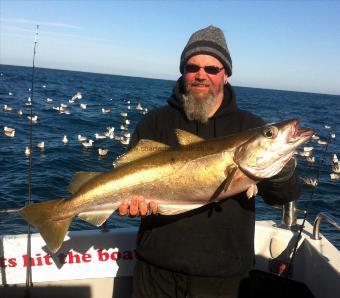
x=142, y=149
x=186, y=138
x=79, y=179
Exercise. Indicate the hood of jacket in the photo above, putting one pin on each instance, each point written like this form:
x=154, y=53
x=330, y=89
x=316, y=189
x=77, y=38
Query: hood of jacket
x=228, y=105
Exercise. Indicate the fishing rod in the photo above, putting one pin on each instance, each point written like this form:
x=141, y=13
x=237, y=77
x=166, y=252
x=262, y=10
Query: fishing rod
x=29, y=282
x=287, y=271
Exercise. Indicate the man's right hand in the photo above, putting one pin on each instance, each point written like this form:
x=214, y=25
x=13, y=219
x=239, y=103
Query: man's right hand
x=137, y=206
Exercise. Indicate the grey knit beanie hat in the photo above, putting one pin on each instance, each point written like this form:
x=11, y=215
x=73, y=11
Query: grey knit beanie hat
x=210, y=41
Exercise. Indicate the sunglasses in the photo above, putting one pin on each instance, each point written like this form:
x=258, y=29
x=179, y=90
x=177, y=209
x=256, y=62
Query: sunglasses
x=192, y=68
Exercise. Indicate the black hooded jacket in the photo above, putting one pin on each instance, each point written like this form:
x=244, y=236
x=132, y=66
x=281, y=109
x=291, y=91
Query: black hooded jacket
x=216, y=239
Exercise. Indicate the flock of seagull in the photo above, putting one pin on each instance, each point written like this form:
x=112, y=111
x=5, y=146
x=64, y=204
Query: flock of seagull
x=63, y=108
x=307, y=153
x=125, y=136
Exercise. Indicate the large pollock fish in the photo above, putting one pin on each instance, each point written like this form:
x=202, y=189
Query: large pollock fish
x=179, y=179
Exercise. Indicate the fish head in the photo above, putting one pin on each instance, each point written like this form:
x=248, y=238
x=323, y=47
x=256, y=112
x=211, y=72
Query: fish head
x=269, y=149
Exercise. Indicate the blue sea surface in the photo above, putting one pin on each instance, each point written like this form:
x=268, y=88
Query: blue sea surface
x=53, y=167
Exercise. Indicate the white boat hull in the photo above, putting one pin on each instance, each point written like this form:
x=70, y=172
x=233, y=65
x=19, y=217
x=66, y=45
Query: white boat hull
x=101, y=263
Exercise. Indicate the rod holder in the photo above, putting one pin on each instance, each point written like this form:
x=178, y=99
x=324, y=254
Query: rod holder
x=289, y=215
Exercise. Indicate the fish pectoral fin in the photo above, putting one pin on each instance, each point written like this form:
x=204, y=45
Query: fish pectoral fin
x=186, y=138
x=41, y=216
x=96, y=218
x=80, y=179
x=143, y=149
x=252, y=191
x=229, y=173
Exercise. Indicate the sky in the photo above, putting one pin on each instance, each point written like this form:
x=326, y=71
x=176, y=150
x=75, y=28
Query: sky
x=285, y=45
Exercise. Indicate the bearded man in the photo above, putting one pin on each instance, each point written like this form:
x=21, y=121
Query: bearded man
x=205, y=252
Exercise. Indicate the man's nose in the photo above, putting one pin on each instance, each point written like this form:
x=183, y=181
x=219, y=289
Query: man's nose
x=201, y=74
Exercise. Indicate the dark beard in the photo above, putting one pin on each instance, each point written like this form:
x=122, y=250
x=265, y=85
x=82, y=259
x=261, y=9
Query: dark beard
x=197, y=107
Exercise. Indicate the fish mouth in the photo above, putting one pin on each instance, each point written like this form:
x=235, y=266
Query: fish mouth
x=296, y=133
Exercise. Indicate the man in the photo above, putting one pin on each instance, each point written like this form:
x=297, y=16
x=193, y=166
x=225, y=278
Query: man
x=205, y=252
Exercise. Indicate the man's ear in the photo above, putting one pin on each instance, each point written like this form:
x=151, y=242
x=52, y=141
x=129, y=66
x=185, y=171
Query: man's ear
x=225, y=79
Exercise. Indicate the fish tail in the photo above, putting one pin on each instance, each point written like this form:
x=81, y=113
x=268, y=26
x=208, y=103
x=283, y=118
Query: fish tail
x=40, y=215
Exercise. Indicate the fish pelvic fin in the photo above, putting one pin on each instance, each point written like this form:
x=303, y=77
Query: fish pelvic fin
x=40, y=215
x=81, y=178
x=186, y=138
x=143, y=149
x=95, y=218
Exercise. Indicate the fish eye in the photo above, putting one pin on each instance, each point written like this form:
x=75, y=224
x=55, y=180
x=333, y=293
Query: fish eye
x=270, y=132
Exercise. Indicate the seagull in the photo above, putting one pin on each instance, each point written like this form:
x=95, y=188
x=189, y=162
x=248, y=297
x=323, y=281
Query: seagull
x=87, y=144
x=103, y=152
x=65, y=140
x=34, y=119
x=310, y=181
x=19, y=113
x=307, y=149
x=104, y=111
x=83, y=106
x=27, y=151
x=123, y=114
x=75, y=97
x=29, y=101
x=310, y=159
x=9, y=132
x=66, y=111
x=8, y=129
x=315, y=137
x=99, y=137
x=49, y=100
x=333, y=135
x=110, y=128
x=327, y=126
x=41, y=145
x=7, y=108
x=125, y=139
x=305, y=153
x=335, y=159
x=82, y=138
x=110, y=132
x=320, y=142
x=336, y=168
x=334, y=176
x=139, y=106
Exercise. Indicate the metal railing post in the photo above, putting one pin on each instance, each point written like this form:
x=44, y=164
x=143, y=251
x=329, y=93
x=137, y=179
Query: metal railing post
x=329, y=218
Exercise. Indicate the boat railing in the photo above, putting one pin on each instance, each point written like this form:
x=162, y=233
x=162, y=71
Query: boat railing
x=324, y=216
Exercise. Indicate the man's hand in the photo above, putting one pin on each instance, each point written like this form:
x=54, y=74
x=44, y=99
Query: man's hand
x=137, y=206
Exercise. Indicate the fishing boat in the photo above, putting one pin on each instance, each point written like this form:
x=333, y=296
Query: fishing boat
x=99, y=263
